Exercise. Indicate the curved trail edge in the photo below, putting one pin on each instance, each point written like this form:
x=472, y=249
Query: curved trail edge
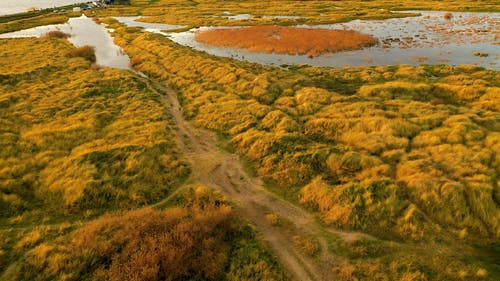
x=223, y=171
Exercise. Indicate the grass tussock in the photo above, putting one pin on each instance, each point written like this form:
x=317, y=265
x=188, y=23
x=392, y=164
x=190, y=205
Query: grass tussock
x=86, y=52
x=187, y=242
x=78, y=143
x=369, y=148
x=80, y=138
x=286, y=40
x=57, y=34
x=383, y=137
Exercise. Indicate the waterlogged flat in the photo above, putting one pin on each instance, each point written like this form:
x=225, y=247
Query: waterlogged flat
x=230, y=16
x=83, y=31
x=240, y=17
x=147, y=26
x=466, y=38
x=18, y=6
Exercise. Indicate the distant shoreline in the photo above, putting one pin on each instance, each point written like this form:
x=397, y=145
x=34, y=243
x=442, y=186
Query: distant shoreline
x=13, y=7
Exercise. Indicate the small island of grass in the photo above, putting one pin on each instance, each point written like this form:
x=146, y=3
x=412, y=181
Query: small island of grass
x=287, y=40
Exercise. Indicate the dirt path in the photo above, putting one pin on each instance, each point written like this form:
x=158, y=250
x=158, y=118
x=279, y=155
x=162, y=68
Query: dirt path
x=223, y=171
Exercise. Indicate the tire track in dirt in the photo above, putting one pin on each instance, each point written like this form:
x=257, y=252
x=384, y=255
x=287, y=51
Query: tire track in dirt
x=223, y=171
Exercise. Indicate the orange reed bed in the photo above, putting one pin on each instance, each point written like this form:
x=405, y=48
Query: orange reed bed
x=286, y=40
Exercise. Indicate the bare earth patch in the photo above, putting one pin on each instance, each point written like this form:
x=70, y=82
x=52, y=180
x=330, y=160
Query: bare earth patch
x=287, y=40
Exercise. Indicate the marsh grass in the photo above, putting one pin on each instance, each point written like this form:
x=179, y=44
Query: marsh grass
x=86, y=52
x=286, y=40
x=200, y=239
x=57, y=34
x=408, y=154
x=209, y=13
x=368, y=148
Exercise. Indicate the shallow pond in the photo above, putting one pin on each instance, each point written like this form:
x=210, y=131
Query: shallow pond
x=83, y=31
x=230, y=16
x=240, y=17
x=19, y=6
x=466, y=38
x=147, y=26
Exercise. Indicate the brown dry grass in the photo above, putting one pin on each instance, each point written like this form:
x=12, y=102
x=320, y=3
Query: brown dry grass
x=287, y=40
x=57, y=34
x=135, y=61
x=86, y=52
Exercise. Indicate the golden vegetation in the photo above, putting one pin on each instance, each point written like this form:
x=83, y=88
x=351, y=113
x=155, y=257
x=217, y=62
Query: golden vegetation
x=78, y=142
x=387, y=141
x=75, y=139
x=286, y=40
x=25, y=23
x=308, y=245
x=215, y=13
x=404, y=153
x=389, y=150
x=273, y=219
x=180, y=243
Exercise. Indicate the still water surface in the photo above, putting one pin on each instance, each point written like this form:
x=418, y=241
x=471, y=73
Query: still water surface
x=427, y=39
x=83, y=31
x=19, y=6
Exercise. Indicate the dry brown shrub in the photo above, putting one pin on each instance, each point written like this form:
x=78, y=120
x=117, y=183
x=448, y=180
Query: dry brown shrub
x=135, y=61
x=287, y=40
x=308, y=245
x=346, y=272
x=448, y=16
x=86, y=52
x=146, y=244
x=57, y=34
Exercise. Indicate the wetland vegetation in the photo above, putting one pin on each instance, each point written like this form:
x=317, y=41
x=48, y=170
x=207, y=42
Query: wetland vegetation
x=286, y=40
x=191, y=166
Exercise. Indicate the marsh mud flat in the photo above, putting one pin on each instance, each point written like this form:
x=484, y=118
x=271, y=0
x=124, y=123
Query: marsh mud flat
x=83, y=31
x=19, y=6
x=465, y=38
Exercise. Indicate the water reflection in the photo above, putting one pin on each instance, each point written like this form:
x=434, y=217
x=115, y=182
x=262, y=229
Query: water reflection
x=240, y=17
x=147, y=26
x=83, y=31
x=427, y=39
x=19, y=6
